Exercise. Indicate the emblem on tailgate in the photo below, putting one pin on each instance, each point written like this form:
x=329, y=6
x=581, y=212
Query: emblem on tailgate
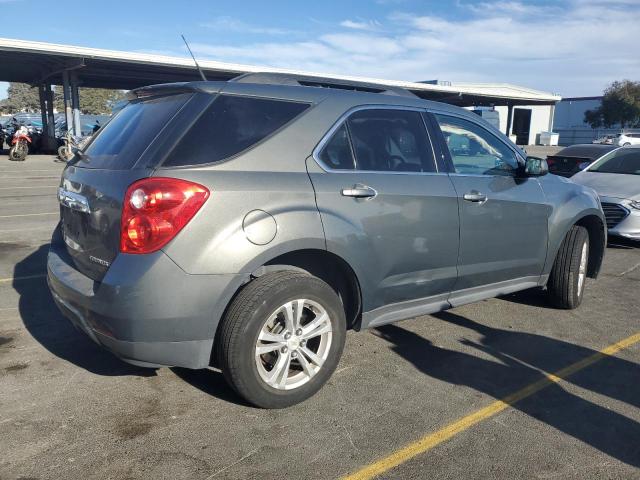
x=73, y=200
x=99, y=261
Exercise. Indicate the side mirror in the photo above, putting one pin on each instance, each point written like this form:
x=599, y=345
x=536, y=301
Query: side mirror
x=535, y=167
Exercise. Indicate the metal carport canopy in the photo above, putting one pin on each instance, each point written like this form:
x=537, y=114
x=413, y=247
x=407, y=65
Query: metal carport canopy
x=37, y=63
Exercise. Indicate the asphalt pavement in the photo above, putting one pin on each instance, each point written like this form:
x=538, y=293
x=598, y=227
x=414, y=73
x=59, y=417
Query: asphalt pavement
x=70, y=410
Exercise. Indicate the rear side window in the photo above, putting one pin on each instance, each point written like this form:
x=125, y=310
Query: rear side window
x=119, y=144
x=382, y=140
x=230, y=125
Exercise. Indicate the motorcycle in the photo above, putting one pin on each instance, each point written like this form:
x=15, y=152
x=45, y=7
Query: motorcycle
x=70, y=146
x=20, y=142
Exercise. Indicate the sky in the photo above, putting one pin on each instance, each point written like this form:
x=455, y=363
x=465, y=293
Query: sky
x=571, y=47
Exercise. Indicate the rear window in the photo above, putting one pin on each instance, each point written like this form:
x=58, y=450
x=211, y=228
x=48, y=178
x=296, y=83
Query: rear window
x=119, y=144
x=230, y=125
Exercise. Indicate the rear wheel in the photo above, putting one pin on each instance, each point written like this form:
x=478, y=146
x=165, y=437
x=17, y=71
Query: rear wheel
x=626, y=144
x=568, y=275
x=64, y=153
x=281, y=339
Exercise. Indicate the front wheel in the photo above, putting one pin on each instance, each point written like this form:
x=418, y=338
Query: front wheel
x=281, y=338
x=18, y=152
x=569, y=272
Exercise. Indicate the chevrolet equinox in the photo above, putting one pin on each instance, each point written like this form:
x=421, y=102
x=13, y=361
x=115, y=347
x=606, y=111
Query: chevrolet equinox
x=249, y=224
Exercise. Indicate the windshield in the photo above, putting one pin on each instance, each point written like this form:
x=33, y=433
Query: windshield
x=624, y=161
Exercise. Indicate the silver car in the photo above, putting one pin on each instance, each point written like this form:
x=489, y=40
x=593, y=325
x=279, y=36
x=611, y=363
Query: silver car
x=248, y=225
x=616, y=178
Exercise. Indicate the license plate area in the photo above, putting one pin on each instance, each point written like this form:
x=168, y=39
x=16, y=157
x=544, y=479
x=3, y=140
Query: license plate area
x=74, y=228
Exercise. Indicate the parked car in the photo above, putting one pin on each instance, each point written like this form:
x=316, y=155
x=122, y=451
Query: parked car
x=626, y=139
x=616, y=178
x=300, y=212
x=605, y=140
x=571, y=160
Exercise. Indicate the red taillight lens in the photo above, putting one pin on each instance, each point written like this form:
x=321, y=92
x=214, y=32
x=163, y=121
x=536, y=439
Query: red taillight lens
x=154, y=211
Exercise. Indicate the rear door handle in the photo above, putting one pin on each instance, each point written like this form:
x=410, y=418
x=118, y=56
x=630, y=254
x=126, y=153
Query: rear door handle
x=359, y=191
x=475, y=196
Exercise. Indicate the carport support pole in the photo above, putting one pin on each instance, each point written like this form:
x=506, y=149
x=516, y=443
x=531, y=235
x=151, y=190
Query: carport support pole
x=509, y=118
x=75, y=104
x=48, y=121
x=67, y=102
x=43, y=106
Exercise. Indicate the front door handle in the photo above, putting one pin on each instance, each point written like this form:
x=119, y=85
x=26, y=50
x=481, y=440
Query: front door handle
x=475, y=196
x=359, y=191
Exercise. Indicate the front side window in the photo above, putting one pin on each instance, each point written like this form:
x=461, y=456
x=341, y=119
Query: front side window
x=230, y=125
x=387, y=140
x=475, y=150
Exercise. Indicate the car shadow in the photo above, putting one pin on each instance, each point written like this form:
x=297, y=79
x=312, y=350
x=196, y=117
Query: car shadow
x=52, y=330
x=534, y=297
x=211, y=382
x=518, y=359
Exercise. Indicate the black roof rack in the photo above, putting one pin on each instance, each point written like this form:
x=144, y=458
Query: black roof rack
x=322, y=82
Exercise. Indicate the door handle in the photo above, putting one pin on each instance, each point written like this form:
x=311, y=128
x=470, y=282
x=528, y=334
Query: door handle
x=475, y=196
x=359, y=191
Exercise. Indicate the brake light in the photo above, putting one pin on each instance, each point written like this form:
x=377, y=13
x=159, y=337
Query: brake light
x=154, y=211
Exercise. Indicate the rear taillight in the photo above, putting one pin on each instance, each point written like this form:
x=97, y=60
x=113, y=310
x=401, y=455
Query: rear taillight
x=155, y=209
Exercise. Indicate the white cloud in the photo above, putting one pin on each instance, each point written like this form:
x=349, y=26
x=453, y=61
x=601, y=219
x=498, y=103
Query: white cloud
x=369, y=25
x=230, y=24
x=577, y=51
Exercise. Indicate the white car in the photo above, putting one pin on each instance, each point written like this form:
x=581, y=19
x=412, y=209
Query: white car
x=605, y=140
x=626, y=139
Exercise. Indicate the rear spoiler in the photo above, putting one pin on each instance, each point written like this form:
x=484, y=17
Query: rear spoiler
x=174, y=89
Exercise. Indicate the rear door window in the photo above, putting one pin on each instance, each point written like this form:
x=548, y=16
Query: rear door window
x=231, y=125
x=120, y=143
x=386, y=140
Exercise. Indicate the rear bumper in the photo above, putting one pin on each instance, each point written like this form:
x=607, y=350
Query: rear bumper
x=146, y=310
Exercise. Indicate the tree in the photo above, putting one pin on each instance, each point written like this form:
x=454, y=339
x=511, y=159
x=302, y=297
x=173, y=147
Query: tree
x=21, y=98
x=93, y=101
x=620, y=106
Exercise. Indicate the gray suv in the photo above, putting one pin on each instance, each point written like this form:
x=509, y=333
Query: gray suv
x=248, y=225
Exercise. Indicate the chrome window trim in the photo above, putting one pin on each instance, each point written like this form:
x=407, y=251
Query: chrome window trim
x=342, y=121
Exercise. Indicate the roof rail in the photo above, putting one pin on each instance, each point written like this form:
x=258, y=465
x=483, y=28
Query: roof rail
x=273, y=78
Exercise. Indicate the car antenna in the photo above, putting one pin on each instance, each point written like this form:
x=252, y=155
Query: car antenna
x=194, y=58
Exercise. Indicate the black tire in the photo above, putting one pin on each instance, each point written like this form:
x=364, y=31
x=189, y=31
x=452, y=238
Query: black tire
x=244, y=320
x=17, y=154
x=564, y=285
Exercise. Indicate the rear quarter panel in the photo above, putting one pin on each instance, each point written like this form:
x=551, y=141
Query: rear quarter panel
x=272, y=178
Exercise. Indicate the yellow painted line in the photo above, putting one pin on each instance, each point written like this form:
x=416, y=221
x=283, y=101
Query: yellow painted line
x=431, y=440
x=29, y=214
x=26, y=277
